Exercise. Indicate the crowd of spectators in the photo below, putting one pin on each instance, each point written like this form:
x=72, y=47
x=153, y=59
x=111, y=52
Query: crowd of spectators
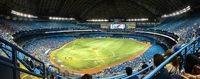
x=40, y=47
x=10, y=27
x=184, y=27
x=6, y=32
x=34, y=25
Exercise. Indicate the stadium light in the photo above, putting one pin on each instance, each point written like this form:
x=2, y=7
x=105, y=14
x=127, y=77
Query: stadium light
x=22, y=14
x=60, y=18
x=184, y=10
x=137, y=19
x=97, y=20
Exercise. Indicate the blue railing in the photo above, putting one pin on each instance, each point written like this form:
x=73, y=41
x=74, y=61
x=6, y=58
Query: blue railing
x=187, y=49
x=52, y=70
x=136, y=74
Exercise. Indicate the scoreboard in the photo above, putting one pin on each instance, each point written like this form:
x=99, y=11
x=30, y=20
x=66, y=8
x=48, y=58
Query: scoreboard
x=117, y=26
x=120, y=25
x=131, y=25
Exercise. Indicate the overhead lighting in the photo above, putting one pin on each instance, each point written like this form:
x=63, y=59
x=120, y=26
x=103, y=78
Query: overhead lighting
x=60, y=18
x=22, y=14
x=97, y=20
x=137, y=19
x=184, y=10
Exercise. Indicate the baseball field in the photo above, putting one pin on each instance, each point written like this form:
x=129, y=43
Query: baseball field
x=90, y=55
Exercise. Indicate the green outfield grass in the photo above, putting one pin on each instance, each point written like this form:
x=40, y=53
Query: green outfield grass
x=93, y=54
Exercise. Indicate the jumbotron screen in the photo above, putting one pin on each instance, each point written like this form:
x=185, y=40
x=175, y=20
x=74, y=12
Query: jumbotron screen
x=131, y=25
x=117, y=26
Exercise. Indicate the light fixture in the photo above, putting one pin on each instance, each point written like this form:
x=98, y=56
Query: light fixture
x=184, y=10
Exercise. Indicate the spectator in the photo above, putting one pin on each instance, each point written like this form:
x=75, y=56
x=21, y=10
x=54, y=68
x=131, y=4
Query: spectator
x=144, y=65
x=173, y=66
x=58, y=76
x=163, y=73
x=86, y=76
x=190, y=76
x=196, y=69
x=129, y=72
x=191, y=62
x=168, y=53
x=52, y=76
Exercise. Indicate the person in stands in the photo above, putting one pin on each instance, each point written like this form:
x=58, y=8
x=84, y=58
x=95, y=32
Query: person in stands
x=129, y=72
x=86, y=76
x=173, y=66
x=194, y=75
x=192, y=61
x=144, y=65
x=52, y=76
x=192, y=67
x=168, y=53
x=190, y=76
x=163, y=73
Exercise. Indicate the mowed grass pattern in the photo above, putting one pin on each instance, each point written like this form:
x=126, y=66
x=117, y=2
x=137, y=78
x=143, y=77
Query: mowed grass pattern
x=92, y=53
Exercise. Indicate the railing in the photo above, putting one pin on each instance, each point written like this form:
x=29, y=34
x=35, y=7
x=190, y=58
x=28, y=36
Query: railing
x=16, y=57
x=124, y=76
x=184, y=51
x=138, y=72
x=56, y=69
x=52, y=70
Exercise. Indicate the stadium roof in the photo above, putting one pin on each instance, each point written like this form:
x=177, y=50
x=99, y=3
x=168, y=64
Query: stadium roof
x=92, y=9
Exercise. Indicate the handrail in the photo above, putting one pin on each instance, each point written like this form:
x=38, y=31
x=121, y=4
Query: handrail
x=3, y=49
x=16, y=50
x=113, y=77
x=125, y=76
x=20, y=50
x=138, y=72
x=54, y=68
x=22, y=70
x=152, y=73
